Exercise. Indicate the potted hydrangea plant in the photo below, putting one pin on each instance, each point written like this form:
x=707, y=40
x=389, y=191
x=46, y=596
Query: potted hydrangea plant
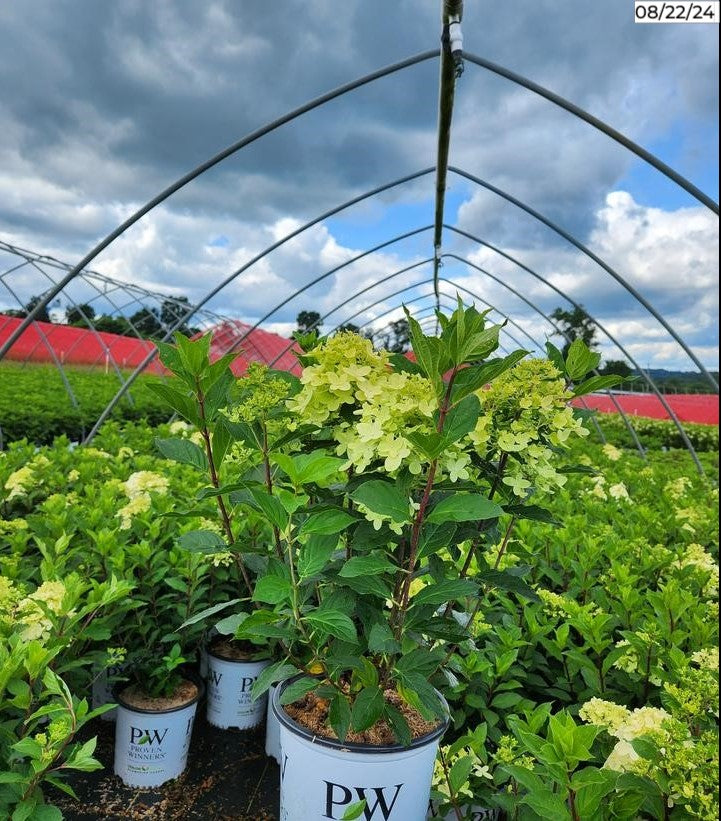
x=385, y=495
x=384, y=569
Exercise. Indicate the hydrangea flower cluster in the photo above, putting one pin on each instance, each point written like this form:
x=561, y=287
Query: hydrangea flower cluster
x=524, y=411
x=27, y=613
x=351, y=387
x=611, y=452
x=344, y=370
x=19, y=482
x=371, y=409
x=626, y=725
x=262, y=392
x=138, y=488
x=696, y=557
x=686, y=766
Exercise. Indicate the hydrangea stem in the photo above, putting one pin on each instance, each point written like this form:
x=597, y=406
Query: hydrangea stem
x=420, y=513
x=225, y=517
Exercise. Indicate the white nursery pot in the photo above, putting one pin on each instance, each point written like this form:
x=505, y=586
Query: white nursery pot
x=230, y=682
x=321, y=778
x=151, y=746
x=103, y=690
x=272, y=728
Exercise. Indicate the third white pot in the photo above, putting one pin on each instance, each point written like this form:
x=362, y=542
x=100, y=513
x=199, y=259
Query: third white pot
x=272, y=728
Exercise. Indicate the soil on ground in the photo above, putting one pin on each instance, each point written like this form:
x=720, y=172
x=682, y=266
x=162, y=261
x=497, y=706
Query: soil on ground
x=311, y=712
x=229, y=778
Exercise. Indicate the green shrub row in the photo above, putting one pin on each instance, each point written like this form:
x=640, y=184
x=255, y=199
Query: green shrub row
x=656, y=434
x=34, y=403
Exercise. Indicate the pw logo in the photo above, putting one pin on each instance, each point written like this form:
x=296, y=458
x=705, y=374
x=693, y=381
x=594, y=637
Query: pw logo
x=339, y=796
x=246, y=683
x=140, y=736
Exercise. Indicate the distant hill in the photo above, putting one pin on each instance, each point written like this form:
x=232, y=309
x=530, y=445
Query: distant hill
x=674, y=381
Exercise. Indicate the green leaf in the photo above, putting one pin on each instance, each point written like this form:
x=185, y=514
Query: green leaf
x=209, y=611
x=548, y=805
x=475, y=377
x=580, y=360
x=402, y=364
x=170, y=357
x=646, y=748
x=430, y=444
x=202, y=541
x=556, y=357
x=183, y=451
x=272, y=508
x=221, y=441
x=217, y=396
x=280, y=671
x=504, y=580
x=524, y=777
x=367, y=585
x=370, y=565
x=272, y=590
x=480, y=344
x=194, y=354
x=339, y=715
x=46, y=812
x=429, y=353
x=314, y=467
x=297, y=689
x=367, y=708
x=327, y=522
x=354, y=810
x=262, y=624
x=505, y=700
x=419, y=693
x=461, y=419
x=381, y=639
x=179, y=400
x=596, y=383
x=444, y=591
x=334, y=623
x=384, y=499
x=460, y=772
x=315, y=554
x=435, y=537
x=398, y=724
x=464, y=507
x=533, y=512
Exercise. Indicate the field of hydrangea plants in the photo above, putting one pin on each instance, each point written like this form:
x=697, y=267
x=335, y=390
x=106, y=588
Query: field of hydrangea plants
x=442, y=541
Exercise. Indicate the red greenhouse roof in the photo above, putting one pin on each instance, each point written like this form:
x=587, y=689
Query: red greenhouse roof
x=688, y=407
x=51, y=343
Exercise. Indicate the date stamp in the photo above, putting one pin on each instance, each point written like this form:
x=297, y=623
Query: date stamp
x=682, y=11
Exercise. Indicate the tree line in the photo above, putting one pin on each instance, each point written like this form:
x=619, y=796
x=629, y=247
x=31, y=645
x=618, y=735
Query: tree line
x=147, y=323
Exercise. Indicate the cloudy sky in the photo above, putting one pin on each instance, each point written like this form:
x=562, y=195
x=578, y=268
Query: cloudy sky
x=103, y=105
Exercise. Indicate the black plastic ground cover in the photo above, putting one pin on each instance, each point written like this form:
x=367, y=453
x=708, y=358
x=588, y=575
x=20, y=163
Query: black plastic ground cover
x=228, y=778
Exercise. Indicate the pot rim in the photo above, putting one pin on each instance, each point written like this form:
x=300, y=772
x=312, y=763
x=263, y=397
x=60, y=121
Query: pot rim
x=352, y=746
x=187, y=675
x=209, y=651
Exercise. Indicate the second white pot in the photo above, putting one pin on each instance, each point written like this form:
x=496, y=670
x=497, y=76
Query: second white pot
x=230, y=682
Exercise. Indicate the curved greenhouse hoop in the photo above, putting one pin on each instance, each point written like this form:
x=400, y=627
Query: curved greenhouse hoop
x=591, y=255
x=445, y=109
